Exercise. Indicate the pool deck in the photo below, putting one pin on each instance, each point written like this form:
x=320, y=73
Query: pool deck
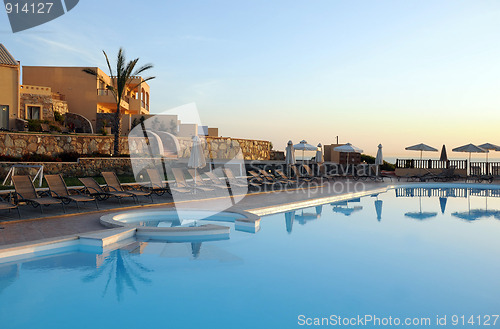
x=53, y=224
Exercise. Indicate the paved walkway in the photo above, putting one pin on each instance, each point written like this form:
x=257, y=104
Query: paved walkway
x=52, y=224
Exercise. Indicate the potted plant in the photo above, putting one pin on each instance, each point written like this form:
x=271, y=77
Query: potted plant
x=106, y=127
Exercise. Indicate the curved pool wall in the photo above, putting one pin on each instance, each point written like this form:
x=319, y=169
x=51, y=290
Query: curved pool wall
x=152, y=223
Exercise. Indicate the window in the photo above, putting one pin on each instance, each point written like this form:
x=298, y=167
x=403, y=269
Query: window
x=33, y=112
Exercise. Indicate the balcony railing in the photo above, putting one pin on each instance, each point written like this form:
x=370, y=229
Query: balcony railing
x=475, y=168
x=430, y=164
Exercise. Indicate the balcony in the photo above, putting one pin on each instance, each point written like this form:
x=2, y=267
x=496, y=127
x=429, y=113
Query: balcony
x=105, y=96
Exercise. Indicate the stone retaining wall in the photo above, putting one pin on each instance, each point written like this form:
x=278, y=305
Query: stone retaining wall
x=19, y=144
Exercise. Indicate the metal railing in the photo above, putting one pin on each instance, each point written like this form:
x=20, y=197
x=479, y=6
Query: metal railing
x=430, y=164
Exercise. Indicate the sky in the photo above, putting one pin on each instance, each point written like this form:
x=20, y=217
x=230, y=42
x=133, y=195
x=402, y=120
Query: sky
x=376, y=71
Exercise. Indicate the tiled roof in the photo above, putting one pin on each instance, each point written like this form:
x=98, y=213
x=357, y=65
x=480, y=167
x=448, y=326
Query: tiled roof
x=6, y=58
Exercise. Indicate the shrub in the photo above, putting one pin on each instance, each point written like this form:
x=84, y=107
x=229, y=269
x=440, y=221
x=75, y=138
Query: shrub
x=53, y=127
x=68, y=156
x=34, y=125
x=58, y=117
x=32, y=157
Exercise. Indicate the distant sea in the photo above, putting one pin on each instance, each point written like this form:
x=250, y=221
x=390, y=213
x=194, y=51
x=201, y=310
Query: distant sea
x=475, y=158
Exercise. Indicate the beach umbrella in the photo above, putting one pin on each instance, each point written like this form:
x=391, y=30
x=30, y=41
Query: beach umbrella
x=348, y=148
x=421, y=147
x=421, y=215
x=470, y=148
x=196, y=159
x=289, y=217
x=319, y=210
x=347, y=211
x=319, y=154
x=489, y=147
x=290, y=156
x=379, y=159
x=442, y=203
x=444, y=156
x=378, y=209
x=304, y=147
x=195, y=249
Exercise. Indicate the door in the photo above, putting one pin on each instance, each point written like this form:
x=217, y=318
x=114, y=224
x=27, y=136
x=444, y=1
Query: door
x=4, y=117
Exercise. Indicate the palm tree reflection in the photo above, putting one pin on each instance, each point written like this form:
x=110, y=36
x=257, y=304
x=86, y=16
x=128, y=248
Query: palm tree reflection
x=120, y=267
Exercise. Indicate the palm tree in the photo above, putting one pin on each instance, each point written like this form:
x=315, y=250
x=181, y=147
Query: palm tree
x=119, y=82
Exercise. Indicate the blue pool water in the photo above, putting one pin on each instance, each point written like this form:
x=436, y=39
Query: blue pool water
x=403, y=253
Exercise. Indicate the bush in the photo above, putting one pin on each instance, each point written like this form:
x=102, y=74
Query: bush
x=39, y=158
x=58, y=117
x=68, y=156
x=34, y=125
x=55, y=128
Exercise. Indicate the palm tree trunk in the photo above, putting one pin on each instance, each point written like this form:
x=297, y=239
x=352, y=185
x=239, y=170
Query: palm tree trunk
x=118, y=131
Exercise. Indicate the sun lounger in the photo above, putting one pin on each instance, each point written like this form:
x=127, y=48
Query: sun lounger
x=181, y=182
x=299, y=176
x=25, y=192
x=276, y=179
x=4, y=204
x=233, y=181
x=198, y=180
x=95, y=190
x=309, y=172
x=322, y=173
x=59, y=190
x=156, y=183
x=113, y=184
x=216, y=181
x=263, y=181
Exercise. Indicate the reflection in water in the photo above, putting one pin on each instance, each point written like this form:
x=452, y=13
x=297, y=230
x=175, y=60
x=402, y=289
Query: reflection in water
x=347, y=211
x=319, y=210
x=289, y=218
x=420, y=215
x=378, y=206
x=442, y=203
x=305, y=217
x=122, y=269
x=8, y=275
x=195, y=249
x=444, y=194
x=378, y=209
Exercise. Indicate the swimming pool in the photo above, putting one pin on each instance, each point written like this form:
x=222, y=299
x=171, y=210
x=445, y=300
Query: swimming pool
x=407, y=253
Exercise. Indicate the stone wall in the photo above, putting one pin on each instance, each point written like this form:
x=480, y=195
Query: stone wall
x=82, y=168
x=48, y=104
x=225, y=148
x=18, y=144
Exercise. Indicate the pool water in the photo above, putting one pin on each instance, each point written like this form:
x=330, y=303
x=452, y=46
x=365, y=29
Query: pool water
x=403, y=253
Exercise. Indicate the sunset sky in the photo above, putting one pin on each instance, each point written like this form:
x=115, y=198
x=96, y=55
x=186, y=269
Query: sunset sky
x=392, y=72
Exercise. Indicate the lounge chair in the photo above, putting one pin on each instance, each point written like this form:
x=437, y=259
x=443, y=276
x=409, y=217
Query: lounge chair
x=26, y=192
x=233, y=181
x=216, y=181
x=322, y=173
x=95, y=190
x=446, y=175
x=6, y=204
x=156, y=185
x=113, y=184
x=276, y=179
x=310, y=173
x=284, y=177
x=59, y=190
x=198, y=180
x=181, y=182
x=261, y=180
x=299, y=176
